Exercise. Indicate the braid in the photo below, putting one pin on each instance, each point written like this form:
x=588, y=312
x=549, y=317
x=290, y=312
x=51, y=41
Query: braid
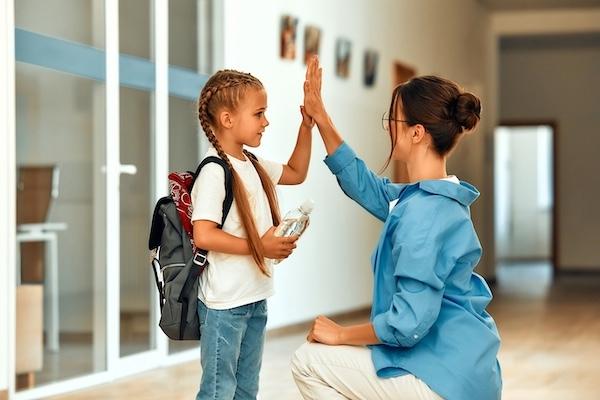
x=225, y=89
x=268, y=187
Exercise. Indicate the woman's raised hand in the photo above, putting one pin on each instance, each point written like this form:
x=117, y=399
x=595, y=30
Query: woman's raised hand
x=313, y=104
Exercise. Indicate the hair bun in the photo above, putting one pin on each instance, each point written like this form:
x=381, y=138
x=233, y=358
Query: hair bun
x=467, y=110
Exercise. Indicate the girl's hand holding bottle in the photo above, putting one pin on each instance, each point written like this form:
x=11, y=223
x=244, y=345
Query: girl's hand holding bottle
x=278, y=247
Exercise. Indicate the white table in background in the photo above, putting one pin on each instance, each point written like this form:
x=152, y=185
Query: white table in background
x=45, y=232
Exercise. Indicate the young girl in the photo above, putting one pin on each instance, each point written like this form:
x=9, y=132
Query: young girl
x=429, y=336
x=233, y=289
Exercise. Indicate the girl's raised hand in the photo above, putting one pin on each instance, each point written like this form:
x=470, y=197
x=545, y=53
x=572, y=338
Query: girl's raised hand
x=313, y=104
x=306, y=119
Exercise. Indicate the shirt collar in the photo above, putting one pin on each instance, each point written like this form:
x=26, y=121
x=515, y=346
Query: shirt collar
x=464, y=192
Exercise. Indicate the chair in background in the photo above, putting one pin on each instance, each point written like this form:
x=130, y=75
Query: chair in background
x=37, y=269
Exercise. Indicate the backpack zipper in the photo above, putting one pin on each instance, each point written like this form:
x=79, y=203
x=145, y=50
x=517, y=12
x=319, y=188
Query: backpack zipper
x=172, y=265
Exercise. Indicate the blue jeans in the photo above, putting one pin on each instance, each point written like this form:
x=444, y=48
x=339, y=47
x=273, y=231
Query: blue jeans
x=231, y=347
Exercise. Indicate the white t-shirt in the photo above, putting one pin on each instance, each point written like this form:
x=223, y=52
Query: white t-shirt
x=452, y=178
x=233, y=280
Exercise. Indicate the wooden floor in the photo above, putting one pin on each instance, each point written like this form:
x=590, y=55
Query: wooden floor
x=550, y=346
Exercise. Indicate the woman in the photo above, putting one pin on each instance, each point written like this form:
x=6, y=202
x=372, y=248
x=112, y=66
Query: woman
x=429, y=335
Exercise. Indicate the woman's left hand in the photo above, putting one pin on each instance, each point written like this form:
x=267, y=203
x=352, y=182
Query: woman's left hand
x=313, y=103
x=325, y=331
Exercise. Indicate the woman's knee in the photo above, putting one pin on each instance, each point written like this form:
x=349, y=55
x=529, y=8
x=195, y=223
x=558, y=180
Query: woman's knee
x=301, y=359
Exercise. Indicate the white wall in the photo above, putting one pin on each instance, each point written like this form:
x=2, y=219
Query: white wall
x=7, y=197
x=330, y=271
x=572, y=100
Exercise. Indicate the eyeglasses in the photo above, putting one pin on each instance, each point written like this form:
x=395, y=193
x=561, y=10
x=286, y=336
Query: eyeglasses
x=385, y=121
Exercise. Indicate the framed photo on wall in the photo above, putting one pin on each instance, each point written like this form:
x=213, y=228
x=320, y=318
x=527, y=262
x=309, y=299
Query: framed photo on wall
x=312, y=41
x=343, y=53
x=288, y=37
x=370, y=67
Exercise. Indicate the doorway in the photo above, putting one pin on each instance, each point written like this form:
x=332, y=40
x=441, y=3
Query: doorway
x=525, y=198
x=401, y=74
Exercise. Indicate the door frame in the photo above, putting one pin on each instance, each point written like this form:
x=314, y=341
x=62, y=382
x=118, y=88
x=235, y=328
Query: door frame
x=554, y=257
x=401, y=73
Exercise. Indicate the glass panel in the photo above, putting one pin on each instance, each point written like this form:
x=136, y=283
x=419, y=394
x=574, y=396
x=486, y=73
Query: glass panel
x=183, y=33
x=135, y=28
x=136, y=114
x=135, y=189
x=185, y=151
x=60, y=147
x=79, y=21
x=186, y=147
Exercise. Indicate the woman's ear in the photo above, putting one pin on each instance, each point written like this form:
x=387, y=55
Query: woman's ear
x=418, y=133
x=225, y=119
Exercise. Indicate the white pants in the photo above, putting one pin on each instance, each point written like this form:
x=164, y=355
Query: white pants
x=346, y=372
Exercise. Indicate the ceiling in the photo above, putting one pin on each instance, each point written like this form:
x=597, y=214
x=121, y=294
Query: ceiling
x=505, y=5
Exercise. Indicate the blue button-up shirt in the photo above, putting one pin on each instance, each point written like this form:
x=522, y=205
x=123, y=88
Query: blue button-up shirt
x=428, y=305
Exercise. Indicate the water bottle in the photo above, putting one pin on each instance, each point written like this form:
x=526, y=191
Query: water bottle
x=295, y=221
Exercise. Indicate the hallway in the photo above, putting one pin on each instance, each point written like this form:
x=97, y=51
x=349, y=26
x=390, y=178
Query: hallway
x=550, y=345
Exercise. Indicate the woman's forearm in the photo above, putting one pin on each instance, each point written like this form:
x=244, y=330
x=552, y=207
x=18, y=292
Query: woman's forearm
x=331, y=137
x=359, y=335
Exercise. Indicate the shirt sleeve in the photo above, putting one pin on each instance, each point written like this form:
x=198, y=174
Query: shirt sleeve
x=362, y=185
x=208, y=194
x=424, y=254
x=274, y=169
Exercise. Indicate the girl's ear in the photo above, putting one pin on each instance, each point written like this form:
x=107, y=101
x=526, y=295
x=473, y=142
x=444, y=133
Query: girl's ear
x=225, y=119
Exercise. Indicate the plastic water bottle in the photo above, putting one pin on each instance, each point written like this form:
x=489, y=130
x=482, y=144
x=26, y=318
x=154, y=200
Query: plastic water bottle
x=295, y=221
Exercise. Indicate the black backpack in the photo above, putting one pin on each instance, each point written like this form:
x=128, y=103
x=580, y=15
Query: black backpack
x=176, y=261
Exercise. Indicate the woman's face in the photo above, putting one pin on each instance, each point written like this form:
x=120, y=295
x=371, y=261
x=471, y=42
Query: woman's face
x=403, y=133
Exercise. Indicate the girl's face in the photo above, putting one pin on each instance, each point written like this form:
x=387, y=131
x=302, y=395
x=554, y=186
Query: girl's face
x=249, y=119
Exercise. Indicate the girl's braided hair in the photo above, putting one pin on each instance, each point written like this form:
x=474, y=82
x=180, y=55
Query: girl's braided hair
x=225, y=89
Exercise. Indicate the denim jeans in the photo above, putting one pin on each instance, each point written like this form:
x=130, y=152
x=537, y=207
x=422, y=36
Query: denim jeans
x=231, y=347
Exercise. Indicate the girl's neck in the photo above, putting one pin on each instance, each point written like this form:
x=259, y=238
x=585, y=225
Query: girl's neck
x=231, y=148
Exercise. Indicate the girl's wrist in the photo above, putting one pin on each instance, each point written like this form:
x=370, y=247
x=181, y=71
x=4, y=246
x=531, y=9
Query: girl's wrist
x=306, y=125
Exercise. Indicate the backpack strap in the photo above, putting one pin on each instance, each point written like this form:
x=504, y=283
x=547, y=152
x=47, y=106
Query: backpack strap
x=228, y=201
x=200, y=256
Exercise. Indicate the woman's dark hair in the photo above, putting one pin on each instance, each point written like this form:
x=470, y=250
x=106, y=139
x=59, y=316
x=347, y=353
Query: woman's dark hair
x=440, y=105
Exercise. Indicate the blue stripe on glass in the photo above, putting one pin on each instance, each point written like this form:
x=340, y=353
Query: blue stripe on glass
x=89, y=62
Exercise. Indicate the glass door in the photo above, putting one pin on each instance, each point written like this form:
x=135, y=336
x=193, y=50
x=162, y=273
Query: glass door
x=101, y=118
x=136, y=130
x=61, y=193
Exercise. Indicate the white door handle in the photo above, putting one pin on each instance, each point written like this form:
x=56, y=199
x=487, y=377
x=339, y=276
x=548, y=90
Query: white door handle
x=129, y=169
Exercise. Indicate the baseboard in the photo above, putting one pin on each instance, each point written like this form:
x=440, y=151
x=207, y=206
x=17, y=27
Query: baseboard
x=522, y=260
x=577, y=271
x=304, y=326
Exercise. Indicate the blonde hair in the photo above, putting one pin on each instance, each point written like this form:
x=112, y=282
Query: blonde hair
x=226, y=88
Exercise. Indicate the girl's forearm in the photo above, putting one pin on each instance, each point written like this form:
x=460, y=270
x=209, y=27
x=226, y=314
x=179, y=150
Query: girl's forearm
x=359, y=335
x=331, y=137
x=222, y=242
x=300, y=158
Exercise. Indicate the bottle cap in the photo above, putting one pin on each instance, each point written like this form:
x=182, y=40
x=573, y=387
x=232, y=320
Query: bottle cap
x=307, y=206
